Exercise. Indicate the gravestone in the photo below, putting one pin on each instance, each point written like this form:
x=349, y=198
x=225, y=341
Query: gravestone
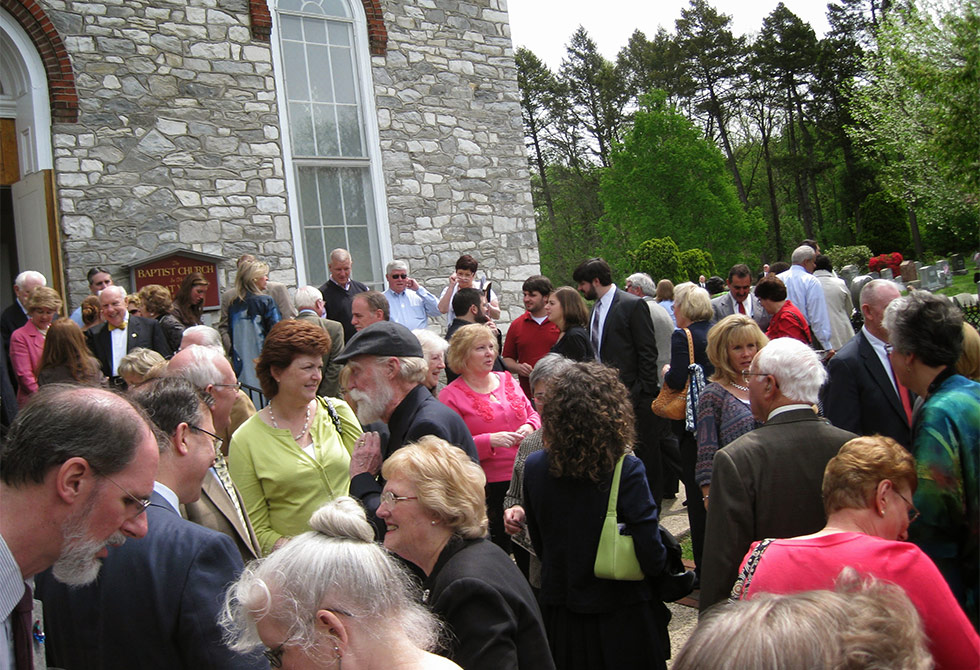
x=856, y=285
x=929, y=277
x=849, y=272
x=907, y=269
x=918, y=266
x=886, y=273
x=874, y=274
x=958, y=264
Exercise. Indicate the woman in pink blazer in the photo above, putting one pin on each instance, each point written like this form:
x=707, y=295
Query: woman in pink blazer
x=27, y=342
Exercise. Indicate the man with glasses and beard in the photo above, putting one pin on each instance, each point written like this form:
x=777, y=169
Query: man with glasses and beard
x=387, y=369
x=156, y=603
x=76, y=473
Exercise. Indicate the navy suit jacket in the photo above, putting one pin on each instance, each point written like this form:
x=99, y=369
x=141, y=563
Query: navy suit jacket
x=629, y=344
x=155, y=604
x=860, y=397
x=140, y=332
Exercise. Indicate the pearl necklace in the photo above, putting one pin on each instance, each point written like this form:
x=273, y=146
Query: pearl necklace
x=305, y=425
x=739, y=386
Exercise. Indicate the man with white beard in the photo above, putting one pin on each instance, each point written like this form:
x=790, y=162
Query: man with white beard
x=76, y=474
x=157, y=602
x=387, y=369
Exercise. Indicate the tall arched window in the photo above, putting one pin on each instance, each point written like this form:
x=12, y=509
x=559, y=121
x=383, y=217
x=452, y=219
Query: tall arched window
x=330, y=136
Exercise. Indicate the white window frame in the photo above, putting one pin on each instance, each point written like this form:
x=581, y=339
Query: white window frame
x=372, y=139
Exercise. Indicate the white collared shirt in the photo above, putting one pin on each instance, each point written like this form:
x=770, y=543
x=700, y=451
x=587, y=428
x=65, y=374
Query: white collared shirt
x=118, y=338
x=787, y=408
x=604, y=303
x=879, y=347
x=167, y=495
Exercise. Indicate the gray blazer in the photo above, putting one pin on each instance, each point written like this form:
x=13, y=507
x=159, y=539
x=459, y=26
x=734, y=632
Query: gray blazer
x=767, y=483
x=724, y=305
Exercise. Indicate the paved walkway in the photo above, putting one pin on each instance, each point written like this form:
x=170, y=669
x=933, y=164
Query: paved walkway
x=685, y=612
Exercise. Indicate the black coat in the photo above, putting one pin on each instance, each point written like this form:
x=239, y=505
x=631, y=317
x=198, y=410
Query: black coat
x=489, y=607
x=629, y=344
x=140, y=332
x=337, y=301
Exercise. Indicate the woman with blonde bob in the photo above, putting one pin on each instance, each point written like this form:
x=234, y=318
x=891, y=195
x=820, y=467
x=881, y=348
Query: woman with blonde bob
x=496, y=412
x=566, y=309
x=332, y=598
x=723, y=411
x=251, y=316
x=434, y=511
x=867, y=495
x=140, y=365
x=27, y=342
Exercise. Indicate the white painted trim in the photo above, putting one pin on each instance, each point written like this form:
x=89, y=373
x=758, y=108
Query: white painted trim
x=372, y=139
x=38, y=105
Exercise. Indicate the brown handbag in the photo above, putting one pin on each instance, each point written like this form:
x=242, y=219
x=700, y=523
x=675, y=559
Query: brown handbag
x=671, y=404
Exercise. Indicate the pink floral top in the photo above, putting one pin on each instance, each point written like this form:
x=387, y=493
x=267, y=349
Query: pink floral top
x=505, y=409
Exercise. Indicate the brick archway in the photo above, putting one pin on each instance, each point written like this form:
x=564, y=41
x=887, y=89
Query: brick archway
x=51, y=48
x=261, y=20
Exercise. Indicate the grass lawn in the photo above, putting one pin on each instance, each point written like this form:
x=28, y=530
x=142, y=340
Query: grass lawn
x=961, y=284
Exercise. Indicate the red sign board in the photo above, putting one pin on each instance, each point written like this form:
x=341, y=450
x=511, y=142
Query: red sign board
x=170, y=272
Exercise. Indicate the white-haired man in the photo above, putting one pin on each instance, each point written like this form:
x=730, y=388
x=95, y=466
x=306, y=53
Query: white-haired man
x=804, y=291
x=311, y=308
x=15, y=315
x=408, y=302
x=121, y=333
x=768, y=482
x=339, y=290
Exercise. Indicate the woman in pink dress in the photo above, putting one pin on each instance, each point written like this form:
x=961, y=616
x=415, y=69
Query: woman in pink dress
x=27, y=342
x=867, y=494
x=496, y=411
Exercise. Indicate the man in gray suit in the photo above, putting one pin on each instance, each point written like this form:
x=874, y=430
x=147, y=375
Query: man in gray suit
x=740, y=299
x=768, y=482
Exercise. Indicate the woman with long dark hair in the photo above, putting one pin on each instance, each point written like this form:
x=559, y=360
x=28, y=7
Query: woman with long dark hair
x=188, y=305
x=66, y=358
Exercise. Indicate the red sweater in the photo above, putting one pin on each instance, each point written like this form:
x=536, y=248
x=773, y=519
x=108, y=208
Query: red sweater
x=527, y=342
x=789, y=322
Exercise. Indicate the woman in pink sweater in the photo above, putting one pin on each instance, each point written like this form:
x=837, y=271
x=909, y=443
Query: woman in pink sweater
x=496, y=411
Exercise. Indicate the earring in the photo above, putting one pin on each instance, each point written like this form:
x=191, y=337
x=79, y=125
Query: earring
x=433, y=522
x=340, y=657
x=881, y=511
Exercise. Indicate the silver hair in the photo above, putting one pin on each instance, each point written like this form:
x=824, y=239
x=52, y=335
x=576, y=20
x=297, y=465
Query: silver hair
x=430, y=341
x=547, y=367
x=202, y=370
x=802, y=253
x=26, y=275
x=306, y=297
x=644, y=282
x=795, y=366
x=411, y=369
x=862, y=624
x=114, y=288
x=336, y=566
x=927, y=325
x=396, y=265
x=338, y=255
x=212, y=338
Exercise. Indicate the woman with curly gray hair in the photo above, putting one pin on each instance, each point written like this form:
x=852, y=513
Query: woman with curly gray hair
x=332, y=598
x=925, y=332
x=593, y=623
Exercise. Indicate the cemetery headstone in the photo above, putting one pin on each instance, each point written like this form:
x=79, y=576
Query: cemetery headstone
x=929, y=276
x=958, y=264
x=886, y=273
x=856, y=285
x=907, y=268
x=848, y=273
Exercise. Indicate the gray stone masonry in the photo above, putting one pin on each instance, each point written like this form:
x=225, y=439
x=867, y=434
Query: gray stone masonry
x=177, y=142
x=456, y=172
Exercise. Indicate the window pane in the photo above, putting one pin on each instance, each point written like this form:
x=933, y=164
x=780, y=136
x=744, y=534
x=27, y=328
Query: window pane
x=326, y=130
x=309, y=208
x=339, y=33
x=294, y=59
x=350, y=130
x=291, y=27
x=343, y=73
x=316, y=257
x=354, y=197
x=319, y=63
x=315, y=31
x=331, y=201
x=301, y=129
x=335, y=8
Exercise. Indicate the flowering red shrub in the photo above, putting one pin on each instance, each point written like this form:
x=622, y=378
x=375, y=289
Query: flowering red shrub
x=892, y=260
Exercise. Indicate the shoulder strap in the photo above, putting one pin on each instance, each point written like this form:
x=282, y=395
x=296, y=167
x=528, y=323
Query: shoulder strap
x=614, y=487
x=334, y=417
x=745, y=577
x=690, y=344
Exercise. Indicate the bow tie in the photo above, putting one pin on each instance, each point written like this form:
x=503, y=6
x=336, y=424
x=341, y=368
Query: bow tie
x=112, y=327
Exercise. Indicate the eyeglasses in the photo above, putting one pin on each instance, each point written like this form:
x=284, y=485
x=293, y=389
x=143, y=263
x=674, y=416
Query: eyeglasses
x=274, y=656
x=141, y=503
x=399, y=276
x=746, y=375
x=389, y=498
x=237, y=386
x=913, y=512
x=216, y=441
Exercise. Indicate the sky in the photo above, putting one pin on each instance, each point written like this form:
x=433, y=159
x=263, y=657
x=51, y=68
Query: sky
x=545, y=26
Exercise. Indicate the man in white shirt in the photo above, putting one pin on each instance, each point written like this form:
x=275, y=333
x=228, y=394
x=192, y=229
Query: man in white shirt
x=408, y=302
x=740, y=299
x=804, y=291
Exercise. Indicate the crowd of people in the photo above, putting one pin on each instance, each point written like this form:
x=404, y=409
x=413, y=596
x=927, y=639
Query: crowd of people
x=342, y=478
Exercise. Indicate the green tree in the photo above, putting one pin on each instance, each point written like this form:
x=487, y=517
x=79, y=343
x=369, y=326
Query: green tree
x=537, y=86
x=665, y=179
x=659, y=258
x=695, y=262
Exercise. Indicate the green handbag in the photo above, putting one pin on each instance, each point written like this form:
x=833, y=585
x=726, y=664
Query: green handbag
x=616, y=557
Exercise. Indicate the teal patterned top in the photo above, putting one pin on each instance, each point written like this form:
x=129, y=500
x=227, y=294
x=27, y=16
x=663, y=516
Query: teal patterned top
x=946, y=441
